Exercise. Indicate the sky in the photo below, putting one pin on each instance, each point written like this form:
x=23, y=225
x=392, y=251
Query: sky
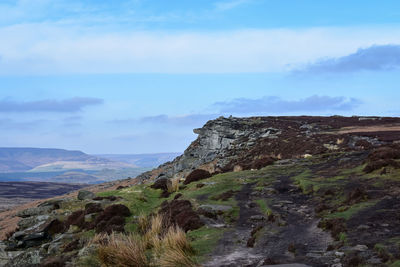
x=137, y=76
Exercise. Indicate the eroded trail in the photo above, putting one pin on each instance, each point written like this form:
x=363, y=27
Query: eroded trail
x=286, y=234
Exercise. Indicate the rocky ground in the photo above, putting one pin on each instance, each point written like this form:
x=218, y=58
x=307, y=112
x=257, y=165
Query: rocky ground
x=287, y=191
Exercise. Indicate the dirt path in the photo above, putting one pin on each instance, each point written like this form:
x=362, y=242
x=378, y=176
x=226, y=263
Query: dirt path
x=232, y=249
x=293, y=227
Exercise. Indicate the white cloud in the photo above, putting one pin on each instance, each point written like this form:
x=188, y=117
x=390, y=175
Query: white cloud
x=54, y=48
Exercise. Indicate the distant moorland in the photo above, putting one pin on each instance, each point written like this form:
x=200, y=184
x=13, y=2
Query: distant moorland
x=65, y=166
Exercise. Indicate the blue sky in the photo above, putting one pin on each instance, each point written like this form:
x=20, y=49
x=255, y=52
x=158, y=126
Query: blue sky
x=136, y=76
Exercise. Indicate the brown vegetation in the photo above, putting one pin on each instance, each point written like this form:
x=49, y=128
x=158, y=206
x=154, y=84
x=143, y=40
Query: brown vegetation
x=197, y=175
x=180, y=213
x=383, y=157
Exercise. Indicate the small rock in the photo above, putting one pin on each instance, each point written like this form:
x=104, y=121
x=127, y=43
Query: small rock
x=363, y=227
x=84, y=194
x=54, y=247
x=339, y=254
x=217, y=208
x=257, y=218
x=374, y=261
x=360, y=248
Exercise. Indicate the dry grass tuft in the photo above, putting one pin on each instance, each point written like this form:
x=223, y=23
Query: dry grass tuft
x=123, y=250
x=157, y=246
x=176, y=258
x=143, y=223
x=176, y=238
x=173, y=186
x=156, y=225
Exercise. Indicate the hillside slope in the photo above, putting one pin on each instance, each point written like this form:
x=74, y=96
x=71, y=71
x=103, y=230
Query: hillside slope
x=311, y=191
x=50, y=159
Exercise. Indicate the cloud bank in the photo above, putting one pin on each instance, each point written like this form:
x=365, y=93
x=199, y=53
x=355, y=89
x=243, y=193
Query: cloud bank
x=274, y=104
x=59, y=49
x=74, y=104
x=374, y=58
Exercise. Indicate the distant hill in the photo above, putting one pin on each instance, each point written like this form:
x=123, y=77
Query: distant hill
x=51, y=159
x=60, y=165
x=142, y=160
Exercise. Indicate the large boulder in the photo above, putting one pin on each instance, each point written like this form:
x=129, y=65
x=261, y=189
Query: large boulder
x=35, y=211
x=84, y=194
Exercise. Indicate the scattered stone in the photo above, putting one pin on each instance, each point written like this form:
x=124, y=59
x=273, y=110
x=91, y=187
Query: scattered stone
x=360, y=248
x=363, y=227
x=216, y=208
x=35, y=211
x=339, y=254
x=257, y=218
x=34, y=220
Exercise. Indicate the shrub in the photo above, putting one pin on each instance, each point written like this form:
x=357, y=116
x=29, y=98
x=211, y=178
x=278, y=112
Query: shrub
x=76, y=218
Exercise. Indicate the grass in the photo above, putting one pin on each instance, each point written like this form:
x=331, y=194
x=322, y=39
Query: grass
x=140, y=199
x=262, y=203
x=204, y=239
x=152, y=248
x=174, y=185
x=352, y=210
x=123, y=250
x=343, y=237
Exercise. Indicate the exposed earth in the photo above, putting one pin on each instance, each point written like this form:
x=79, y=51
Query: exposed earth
x=263, y=191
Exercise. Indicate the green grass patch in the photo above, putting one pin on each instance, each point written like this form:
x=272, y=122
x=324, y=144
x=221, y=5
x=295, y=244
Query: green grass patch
x=262, y=203
x=343, y=237
x=305, y=182
x=352, y=210
x=395, y=264
x=204, y=240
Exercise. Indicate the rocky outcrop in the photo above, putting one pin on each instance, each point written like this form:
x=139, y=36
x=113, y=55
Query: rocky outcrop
x=230, y=144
